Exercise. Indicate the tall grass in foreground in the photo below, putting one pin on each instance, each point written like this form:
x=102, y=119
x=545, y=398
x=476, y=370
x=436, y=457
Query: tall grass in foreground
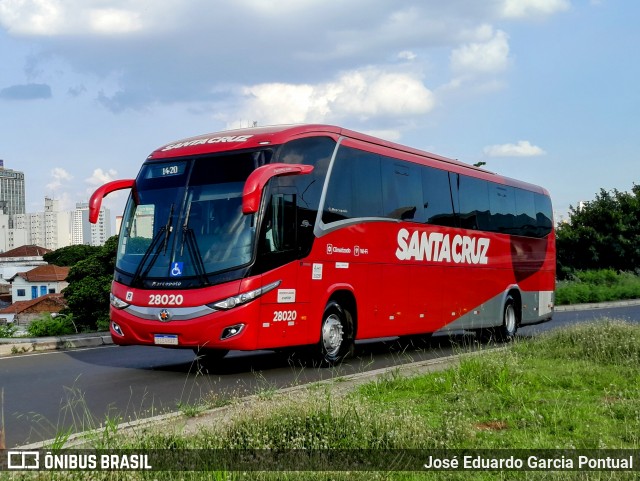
x=575, y=388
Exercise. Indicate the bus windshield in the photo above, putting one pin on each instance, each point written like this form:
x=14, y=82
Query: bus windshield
x=183, y=221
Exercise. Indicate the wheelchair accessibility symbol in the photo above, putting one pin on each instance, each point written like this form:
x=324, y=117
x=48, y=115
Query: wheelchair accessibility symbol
x=176, y=270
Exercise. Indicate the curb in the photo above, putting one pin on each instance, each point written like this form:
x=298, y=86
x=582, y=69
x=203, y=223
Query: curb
x=16, y=346
x=597, y=305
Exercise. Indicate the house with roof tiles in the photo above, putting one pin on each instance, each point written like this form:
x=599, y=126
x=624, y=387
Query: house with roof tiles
x=21, y=259
x=38, y=282
x=23, y=312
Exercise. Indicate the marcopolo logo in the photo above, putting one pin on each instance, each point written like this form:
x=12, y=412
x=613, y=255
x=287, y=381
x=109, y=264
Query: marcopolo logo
x=439, y=247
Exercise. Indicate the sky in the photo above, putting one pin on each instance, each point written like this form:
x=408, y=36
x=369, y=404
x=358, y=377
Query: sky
x=545, y=91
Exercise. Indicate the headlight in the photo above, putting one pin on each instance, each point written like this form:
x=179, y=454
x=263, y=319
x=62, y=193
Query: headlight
x=243, y=298
x=117, y=302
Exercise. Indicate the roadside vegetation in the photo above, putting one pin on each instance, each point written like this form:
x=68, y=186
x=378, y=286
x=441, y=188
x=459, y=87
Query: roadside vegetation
x=598, y=249
x=597, y=286
x=601, y=234
x=90, y=276
x=578, y=388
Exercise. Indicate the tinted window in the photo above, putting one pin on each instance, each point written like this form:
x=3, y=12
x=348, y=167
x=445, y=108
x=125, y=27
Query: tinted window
x=355, y=187
x=401, y=190
x=544, y=214
x=316, y=151
x=436, y=195
x=525, y=213
x=224, y=169
x=474, y=203
x=280, y=231
x=503, y=206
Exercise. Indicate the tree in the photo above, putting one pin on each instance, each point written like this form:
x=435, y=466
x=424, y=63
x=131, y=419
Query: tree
x=604, y=233
x=87, y=294
x=70, y=255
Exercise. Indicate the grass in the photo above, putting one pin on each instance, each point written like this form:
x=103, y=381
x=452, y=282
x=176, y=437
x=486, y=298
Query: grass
x=578, y=388
x=598, y=286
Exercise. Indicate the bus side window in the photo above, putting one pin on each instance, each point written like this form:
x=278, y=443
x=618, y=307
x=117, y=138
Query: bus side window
x=525, y=213
x=401, y=191
x=503, y=206
x=544, y=215
x=474, y=203
x=436, y=197
x=280, y=232
x=355, y=186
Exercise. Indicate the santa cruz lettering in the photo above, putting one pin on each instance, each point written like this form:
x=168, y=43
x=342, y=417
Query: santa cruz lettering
x=211, y=140
x=439, y=247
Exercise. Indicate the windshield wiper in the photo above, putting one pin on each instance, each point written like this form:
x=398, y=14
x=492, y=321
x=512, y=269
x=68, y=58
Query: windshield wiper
x=192, y=247
x=154, y=249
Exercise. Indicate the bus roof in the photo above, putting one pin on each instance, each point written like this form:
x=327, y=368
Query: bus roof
x=256, y=137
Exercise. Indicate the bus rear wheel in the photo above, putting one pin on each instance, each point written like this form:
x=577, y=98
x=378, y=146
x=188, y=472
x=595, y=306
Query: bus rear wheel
x=507, y=330
x=336, y=334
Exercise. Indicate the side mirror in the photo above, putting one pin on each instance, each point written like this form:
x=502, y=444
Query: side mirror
x=96, y=198
x=252, y=192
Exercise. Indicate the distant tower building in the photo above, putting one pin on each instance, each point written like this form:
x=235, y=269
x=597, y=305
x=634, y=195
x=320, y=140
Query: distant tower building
x=83, y=232
x=12, y=198
x=50, y=229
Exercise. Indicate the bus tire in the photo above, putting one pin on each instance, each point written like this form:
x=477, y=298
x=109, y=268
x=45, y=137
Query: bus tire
x=507, y=331
x=336, y=334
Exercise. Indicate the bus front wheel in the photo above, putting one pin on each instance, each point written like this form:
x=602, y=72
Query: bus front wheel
x=336, y=334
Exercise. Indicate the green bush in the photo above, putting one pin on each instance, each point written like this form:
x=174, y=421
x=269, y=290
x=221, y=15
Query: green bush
x=602, y=277
x=51, y=326
x=598, y=286
x=8, y=330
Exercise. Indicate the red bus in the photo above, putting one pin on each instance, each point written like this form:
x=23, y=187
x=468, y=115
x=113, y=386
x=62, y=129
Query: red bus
x=314, y=235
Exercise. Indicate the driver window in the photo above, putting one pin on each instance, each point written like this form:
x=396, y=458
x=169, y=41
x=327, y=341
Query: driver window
x=280, y=224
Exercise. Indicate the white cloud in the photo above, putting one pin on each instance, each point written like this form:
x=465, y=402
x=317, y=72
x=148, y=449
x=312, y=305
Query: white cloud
x=114, y=21
x=184, y=48
x=59, y=176
x=489, y=56
x=71, y=17
x=100, y=177
x=363, y=94
x=523, y=148
x=529, y=8
x=407, y=55
x=32, y=17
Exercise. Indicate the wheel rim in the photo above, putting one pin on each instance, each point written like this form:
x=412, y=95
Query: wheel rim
x=510, y=319
x=332, y=335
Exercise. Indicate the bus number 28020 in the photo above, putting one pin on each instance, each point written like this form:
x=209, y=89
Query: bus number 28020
x=284, y=316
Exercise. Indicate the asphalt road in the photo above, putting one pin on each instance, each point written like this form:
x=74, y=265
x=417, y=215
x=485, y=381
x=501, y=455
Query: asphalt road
x=48, y=393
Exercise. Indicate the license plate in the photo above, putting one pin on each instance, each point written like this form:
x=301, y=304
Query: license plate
x=166, y=339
